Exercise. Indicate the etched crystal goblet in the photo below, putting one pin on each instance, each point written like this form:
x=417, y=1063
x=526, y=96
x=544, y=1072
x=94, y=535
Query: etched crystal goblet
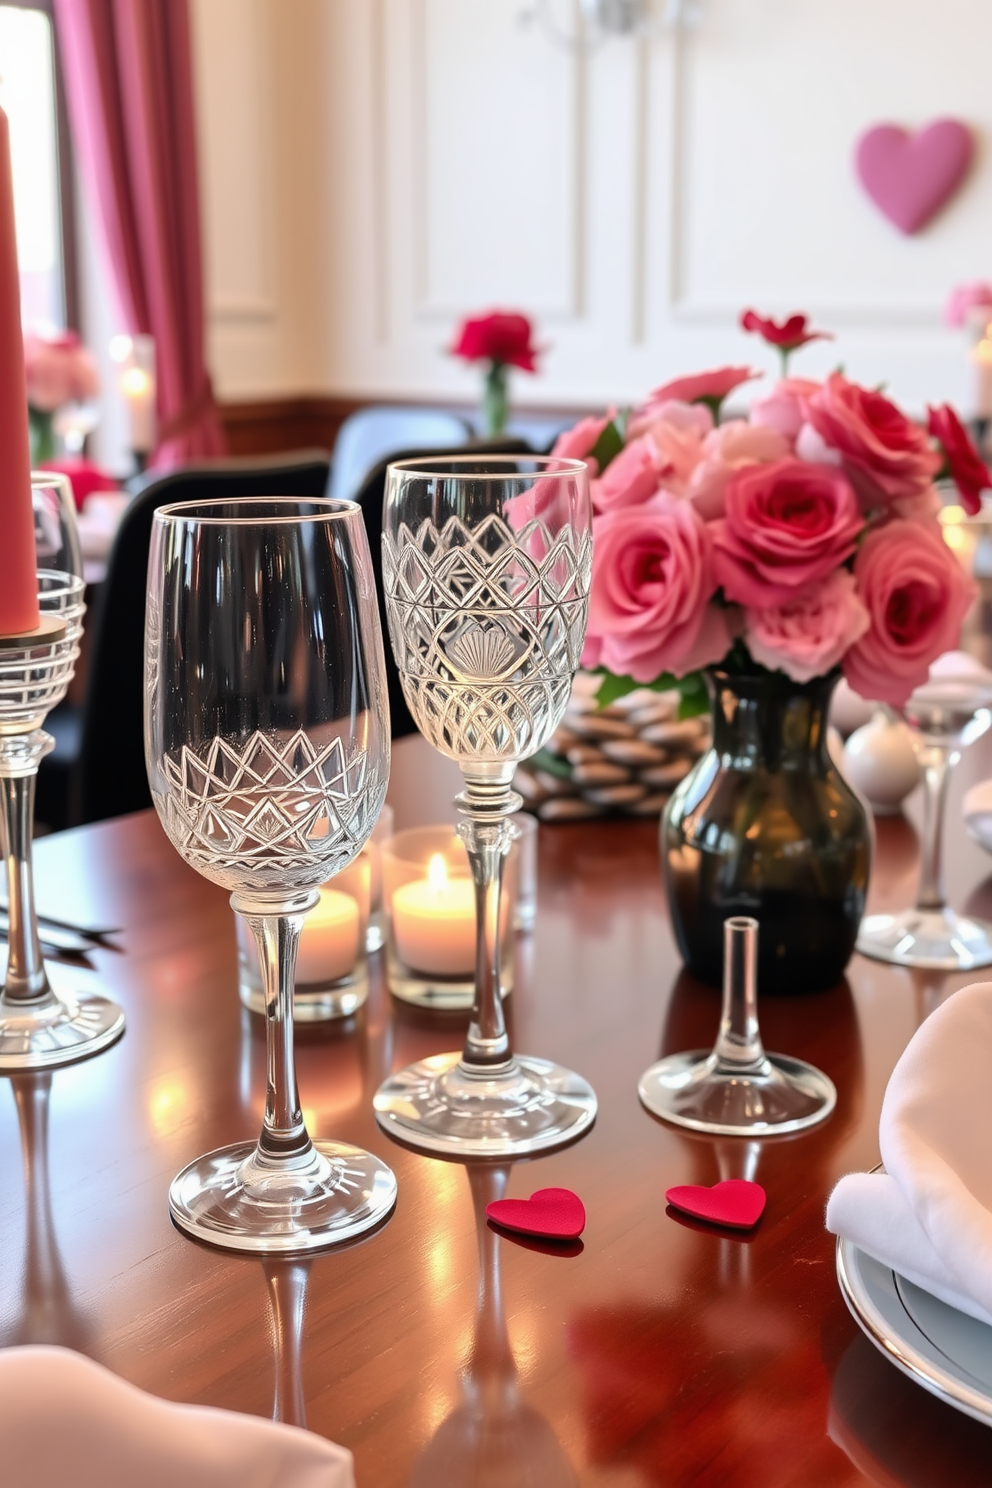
x=40, y=1028
x=267, y=746
x=486, y=569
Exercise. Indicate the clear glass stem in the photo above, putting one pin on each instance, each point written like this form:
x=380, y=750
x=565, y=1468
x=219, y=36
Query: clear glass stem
x=287, y=1287
x=20, y=755
x=937, y=763
x=284, y=1138
x=738, y=1043
x=485, y=804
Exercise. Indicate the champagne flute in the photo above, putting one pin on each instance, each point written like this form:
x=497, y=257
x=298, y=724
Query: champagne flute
x=267, y=746
x=486, y=568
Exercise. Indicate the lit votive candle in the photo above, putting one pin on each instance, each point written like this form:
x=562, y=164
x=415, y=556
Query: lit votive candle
x=329, y=942
x=434, y=922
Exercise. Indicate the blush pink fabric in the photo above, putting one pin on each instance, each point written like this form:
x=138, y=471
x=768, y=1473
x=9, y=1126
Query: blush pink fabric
x=910, y=177
x=129, y=81
x=787, y=525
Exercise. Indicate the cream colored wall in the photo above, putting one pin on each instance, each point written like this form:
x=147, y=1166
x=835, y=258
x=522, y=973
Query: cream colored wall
x=373, y=169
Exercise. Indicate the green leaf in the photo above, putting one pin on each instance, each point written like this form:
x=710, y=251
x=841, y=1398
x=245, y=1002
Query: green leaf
x=613, y=687
x=553, y=764
x=608, y=445
x=692, y=690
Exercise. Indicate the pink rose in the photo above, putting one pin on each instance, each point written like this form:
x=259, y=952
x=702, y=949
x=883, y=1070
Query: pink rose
x=629, y=479
x=730, y=447
x=809, y=634
x=58, y=370
x=917, y=594
x=782, y=407
x=787, y=525
x=578, y=442
x=684, y=417
x=678, y=435
x=652, y=579
x=709, y=388
x=887, y=457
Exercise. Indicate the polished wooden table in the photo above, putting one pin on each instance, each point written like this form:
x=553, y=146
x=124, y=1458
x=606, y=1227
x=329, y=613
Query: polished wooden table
x=655, y=1351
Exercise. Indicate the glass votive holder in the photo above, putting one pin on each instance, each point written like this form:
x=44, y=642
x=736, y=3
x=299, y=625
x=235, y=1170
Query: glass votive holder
x=429, y=904
x=332, y=971
x=525, y=906
x=375, y=937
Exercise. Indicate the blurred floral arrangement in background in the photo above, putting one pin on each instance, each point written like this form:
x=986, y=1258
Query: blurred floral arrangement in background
x=501, y=339
x=62, y=378
x=801, y=538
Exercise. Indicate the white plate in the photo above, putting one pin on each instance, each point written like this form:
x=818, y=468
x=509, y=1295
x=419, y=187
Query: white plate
x=945, y=1351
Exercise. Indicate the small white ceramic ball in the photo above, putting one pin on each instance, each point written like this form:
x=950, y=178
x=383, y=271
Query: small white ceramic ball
x=881, y=763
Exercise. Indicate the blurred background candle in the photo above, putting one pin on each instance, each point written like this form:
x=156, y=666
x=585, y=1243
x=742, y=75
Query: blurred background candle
x=18, y=563
x=434, y=922
x=135, y=356
x=330, y=939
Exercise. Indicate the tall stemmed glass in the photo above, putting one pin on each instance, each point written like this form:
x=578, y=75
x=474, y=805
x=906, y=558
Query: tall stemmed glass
x=486, y=568
x=267, y=745
x=949, y=712
x=40, y=1028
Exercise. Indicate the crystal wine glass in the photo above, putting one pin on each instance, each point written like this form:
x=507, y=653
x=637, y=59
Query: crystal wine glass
x=40, y=1028
x=738, y=1090
x=951, y=710
x=267, y=746
x=486, y=569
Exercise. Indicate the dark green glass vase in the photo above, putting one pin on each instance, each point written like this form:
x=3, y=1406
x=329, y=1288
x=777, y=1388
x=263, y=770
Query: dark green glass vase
x=766, y=826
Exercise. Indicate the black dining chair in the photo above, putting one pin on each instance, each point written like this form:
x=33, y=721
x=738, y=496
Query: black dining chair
x=370, y=498
x=97, y=769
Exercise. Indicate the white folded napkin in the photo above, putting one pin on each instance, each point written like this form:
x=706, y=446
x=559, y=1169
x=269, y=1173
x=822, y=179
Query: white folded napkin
x=929, y=1215
x=65, y=1420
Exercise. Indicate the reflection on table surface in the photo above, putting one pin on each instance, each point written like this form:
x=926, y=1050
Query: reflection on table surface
x=659, y=1352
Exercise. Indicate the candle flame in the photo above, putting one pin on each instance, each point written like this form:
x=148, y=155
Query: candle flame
x=135, y=382
x=437, y=874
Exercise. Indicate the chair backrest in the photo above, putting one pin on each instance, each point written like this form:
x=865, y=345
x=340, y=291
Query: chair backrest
x=109, y=778
x=368, y=436
x=370, y=498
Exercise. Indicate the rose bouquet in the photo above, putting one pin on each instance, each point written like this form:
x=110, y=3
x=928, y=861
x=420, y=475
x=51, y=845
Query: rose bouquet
x=59, y=371
x=801, y=538
x=502, y=339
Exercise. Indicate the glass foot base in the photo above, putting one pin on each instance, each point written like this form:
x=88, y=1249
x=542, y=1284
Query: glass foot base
x=937, y=939
x=530, y=1105
x=228, y=1199
x=56, y=1030
x=781, y=1095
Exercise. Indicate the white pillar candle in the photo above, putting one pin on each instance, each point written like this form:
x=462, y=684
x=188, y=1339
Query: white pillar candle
x=329, y=942
x=434, y=923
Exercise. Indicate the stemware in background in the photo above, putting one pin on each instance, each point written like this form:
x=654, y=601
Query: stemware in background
x=738, y=1089
x=951, y=710
x=486, y=569
x=267, y=746
x=38, y=1027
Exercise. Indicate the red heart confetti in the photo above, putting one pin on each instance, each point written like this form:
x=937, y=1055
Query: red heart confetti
x=735, y=1202
x=555, y=1213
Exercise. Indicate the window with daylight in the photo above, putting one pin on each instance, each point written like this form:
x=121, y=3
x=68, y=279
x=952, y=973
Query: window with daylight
x=28, y=95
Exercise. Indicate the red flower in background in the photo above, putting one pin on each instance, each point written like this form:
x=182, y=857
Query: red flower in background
x=502, y=336
x=967, y=469
x=787, y=335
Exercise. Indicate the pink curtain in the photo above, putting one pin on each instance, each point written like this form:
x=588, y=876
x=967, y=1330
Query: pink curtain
x=128, y=72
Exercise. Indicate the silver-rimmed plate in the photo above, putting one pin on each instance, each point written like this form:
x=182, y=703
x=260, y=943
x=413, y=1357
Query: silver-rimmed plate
x=945, y=1351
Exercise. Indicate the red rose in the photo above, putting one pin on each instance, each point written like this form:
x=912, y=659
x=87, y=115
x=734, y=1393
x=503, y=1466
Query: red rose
x=502, y=336
x=788, y=335
x=917, y=594
x=968, y=471
x=887, y=457
x=787, y=525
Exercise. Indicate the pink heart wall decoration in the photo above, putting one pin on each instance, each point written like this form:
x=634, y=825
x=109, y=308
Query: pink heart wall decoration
x=911, y=176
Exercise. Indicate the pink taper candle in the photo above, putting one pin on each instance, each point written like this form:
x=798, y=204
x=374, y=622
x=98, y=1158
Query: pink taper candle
x=18, y=561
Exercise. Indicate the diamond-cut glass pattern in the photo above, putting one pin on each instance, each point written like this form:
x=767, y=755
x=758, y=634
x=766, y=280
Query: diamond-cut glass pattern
x=33, y=681
x=487, y=625
x=276, y=811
